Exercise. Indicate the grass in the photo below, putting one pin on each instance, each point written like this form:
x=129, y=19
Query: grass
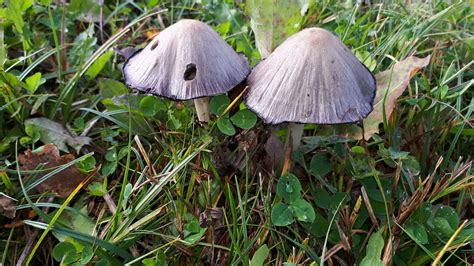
x=167, y=190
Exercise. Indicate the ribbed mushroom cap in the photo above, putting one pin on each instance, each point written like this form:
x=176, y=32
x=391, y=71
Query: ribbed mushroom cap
x=312, y=77
x=185, y=61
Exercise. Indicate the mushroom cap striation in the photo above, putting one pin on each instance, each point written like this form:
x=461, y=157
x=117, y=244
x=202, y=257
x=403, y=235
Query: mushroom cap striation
x=312, y=77
x=185, y=61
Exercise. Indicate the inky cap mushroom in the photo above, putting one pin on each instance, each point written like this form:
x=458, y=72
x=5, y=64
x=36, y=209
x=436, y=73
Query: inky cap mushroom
x=185, y=61
x=312, y=77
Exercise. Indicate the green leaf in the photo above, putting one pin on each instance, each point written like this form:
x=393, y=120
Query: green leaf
x=244, y=119
x=319, y=226
x=422, y=214
x=442, y=227
x=98, y=65
x=110, y=88
x=272, y=21
x=225, y=126
x=373, y=250
x=126, y=194
x=87, y=164
x=322, y=198
x=366, y=59
x=418, y=232
x=358, y=149
x=86, y=255
x=219, y=103
x=34, y=81
x=303, y=211
x=289, y=188
x=52, y=132
x=96, y=189
x=192, y=226
x=259, y=256
x=282, y=214
x=320, y=165
x=449, y=214
x=337, y=198
x=192, y=239
x=150, y=105
x=108, y=168
x=64, y=251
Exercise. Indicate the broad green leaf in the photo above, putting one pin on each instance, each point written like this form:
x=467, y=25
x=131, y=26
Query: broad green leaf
x=150, y=105
x=65, y=252
x=96, y=189
x=110, y=88
x=259, y=256
x=98, y=65
x=34, y=81
x=418, y=232
x=219, y=103
x=273, y=21
x=303, y=211
x=87, y=164
x=322, y=198
x=366, y=59
x=337, y=198
x=442, y=227
x=108, y=168
x=449, y=214
x=244, y=119
x=320, y=165
x=192, y=239
x=422, y=214
x=192, y=226
x=289, y=188
x=53, y=132
x=86, y=255
x=78, y=221
x=282, y=214
x=319, y=226
x=373, y=250
x=225, y=126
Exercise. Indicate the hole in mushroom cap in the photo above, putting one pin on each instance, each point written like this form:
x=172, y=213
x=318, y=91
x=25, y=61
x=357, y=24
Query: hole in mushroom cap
x=153, y=46
x=190, y=72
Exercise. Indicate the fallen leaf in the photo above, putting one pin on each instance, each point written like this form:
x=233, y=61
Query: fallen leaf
x=272, y=21
x=47, y=156
x=7, y=207
x=55, y=133
x=393, y=83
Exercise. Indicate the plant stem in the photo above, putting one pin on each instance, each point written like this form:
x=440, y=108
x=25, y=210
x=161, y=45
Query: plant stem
x=294, y=135
x=202, y=108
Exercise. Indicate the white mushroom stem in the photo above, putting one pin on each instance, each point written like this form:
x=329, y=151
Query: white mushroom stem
x=202, y=108
x=294, y=134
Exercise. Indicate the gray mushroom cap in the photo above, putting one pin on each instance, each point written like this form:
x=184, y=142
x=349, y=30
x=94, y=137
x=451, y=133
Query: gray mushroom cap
x=185, y=61
x=312, y=77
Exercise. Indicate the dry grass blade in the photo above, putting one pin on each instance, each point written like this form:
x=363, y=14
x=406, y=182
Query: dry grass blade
x=147, y=159
x=369, y=207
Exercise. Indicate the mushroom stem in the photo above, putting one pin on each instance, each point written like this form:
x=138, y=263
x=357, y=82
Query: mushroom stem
x=202, y=108
x=294, y=134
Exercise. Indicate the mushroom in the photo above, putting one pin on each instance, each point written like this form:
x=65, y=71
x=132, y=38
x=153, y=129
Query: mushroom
x=187, y=60
x=312, y=77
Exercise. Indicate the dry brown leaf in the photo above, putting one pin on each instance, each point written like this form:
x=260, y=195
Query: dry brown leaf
x=7, y=207
x=62, y=183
